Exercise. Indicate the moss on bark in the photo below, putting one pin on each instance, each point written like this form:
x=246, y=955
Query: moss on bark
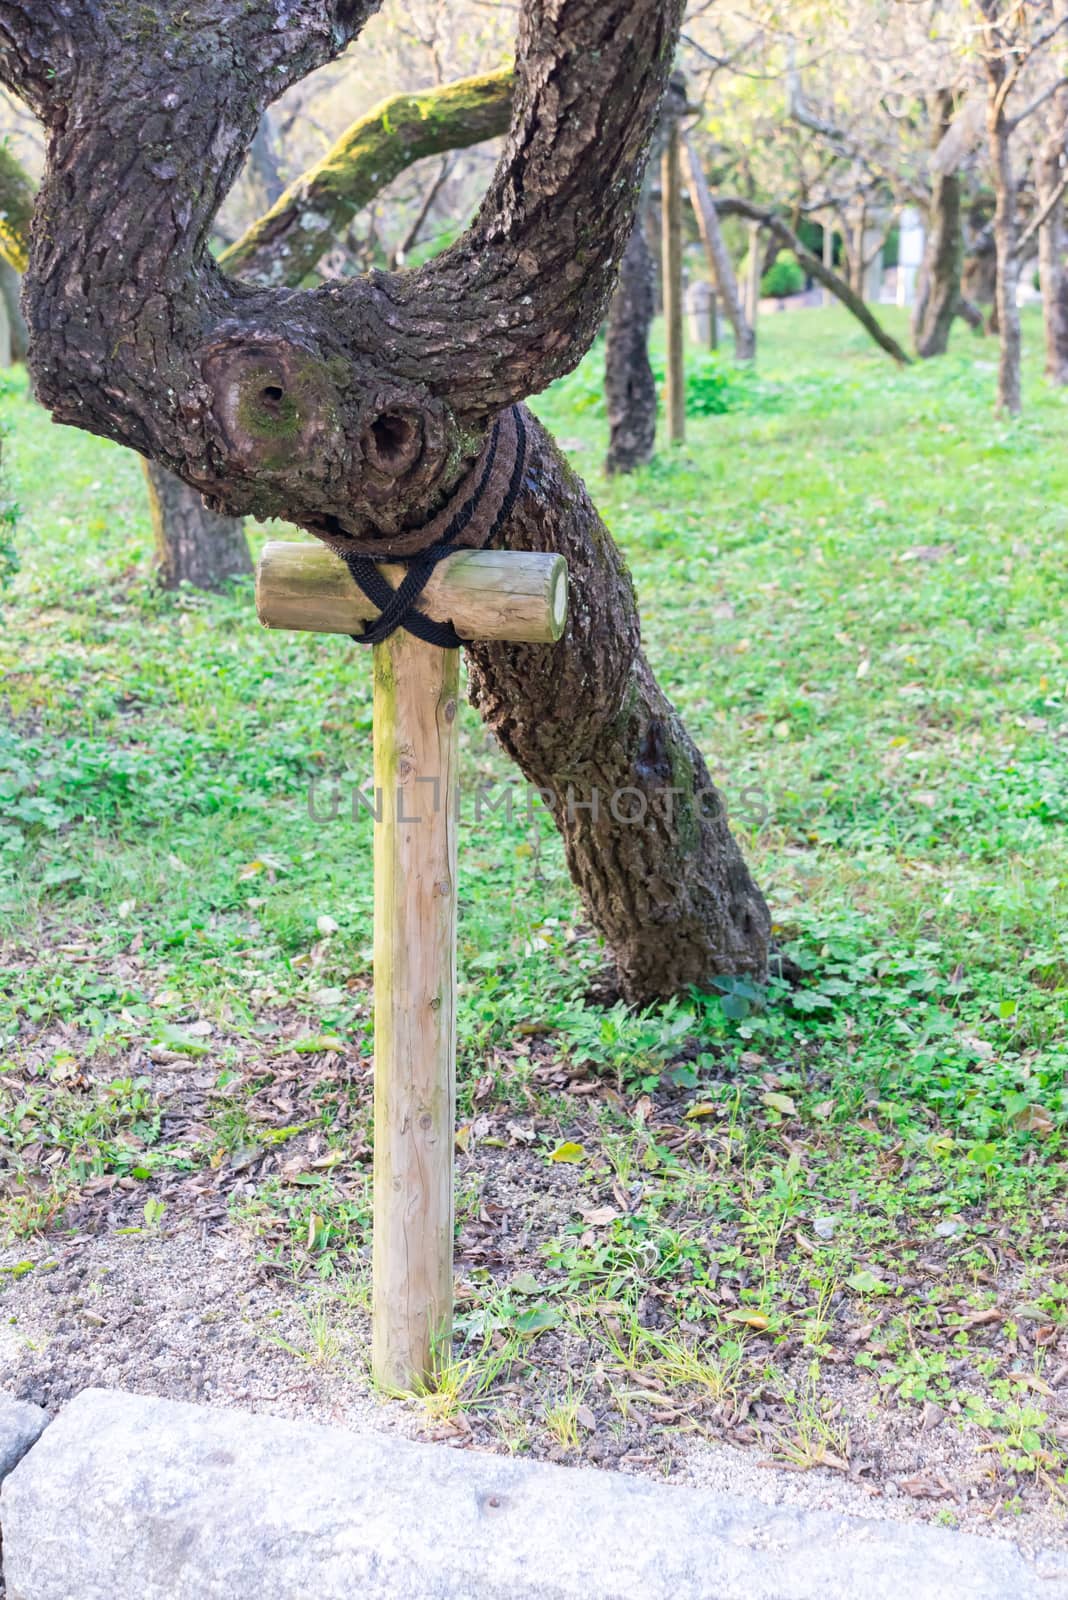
x=285, y=244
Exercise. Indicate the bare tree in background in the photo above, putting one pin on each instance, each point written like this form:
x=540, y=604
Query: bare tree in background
x=1016, y=42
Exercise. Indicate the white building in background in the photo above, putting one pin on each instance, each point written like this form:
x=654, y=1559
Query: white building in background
x=909, y=254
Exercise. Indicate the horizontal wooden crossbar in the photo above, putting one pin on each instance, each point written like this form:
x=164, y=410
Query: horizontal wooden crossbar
x=515, y=595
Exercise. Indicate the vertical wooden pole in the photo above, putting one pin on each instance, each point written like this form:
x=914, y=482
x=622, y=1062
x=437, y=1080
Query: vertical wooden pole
x=671, y=209
x=416, y=704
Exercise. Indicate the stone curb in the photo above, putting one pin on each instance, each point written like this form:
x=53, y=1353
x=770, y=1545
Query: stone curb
x=134, y=1498
x=21, y=1425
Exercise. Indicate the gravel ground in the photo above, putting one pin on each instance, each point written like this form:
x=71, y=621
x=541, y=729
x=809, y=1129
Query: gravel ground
x=193, y=1313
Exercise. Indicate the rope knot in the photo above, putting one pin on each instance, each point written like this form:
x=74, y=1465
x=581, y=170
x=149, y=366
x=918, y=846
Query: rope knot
x=481, y=513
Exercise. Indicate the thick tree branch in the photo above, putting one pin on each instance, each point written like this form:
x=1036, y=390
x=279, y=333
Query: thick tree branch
x=355, y=409
x=284, y=245
x=538, y=266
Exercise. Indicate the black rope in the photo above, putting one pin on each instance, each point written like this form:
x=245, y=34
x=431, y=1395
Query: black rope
x=397, y=607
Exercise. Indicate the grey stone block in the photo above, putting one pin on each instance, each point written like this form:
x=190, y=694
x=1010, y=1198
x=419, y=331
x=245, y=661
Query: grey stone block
x=128, y=1498
x=21, y=1425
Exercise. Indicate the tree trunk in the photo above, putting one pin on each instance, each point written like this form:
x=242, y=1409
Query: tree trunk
x=719, y=259
x=969, y=312
x=938, y=299
x=644, y=828
x=1008, y=262
x=857, y=230
x=1051, y=242
x=1001, y=46
x=827, y=257
x=671, y=269
x=629, y=385
x=359, y=411
x=193, y=545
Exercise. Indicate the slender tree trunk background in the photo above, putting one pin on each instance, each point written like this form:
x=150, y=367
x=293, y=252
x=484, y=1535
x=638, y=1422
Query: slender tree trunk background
x=1052, y=277
x=193, y=545
x=938, y=299
x=1000, y=44
x=719, y=259
x=1008, y=265
x=827, y=257
x=629, y=384
x=6, y=354
x=671, y=270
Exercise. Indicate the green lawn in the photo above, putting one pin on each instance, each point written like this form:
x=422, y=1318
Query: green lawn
x=854, y=585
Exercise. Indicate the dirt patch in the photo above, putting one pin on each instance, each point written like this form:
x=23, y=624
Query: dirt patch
x=194, y=1312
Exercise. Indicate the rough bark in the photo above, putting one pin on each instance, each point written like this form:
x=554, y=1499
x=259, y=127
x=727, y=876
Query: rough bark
x=284, y=245
x=629, y=384
x=355, y=410
x=938, y=299
x=719, y=258
x=590, y=726
x=823, y=274
x=193, y=545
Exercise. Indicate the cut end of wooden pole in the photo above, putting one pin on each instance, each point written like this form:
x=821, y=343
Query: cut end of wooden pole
x=509, y=595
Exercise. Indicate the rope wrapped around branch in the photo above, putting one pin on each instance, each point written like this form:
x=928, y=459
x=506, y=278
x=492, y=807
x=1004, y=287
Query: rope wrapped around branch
x=471, y=520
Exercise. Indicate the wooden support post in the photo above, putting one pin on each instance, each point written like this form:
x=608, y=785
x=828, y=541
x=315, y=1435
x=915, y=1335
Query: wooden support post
x=485, y=594
x=671, y=213
x=416, y=752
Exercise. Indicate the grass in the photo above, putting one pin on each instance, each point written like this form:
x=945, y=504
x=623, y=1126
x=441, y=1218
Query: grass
x=854, y=586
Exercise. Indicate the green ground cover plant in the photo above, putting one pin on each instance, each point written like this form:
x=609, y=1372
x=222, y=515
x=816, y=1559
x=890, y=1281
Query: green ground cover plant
x=854, y=585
